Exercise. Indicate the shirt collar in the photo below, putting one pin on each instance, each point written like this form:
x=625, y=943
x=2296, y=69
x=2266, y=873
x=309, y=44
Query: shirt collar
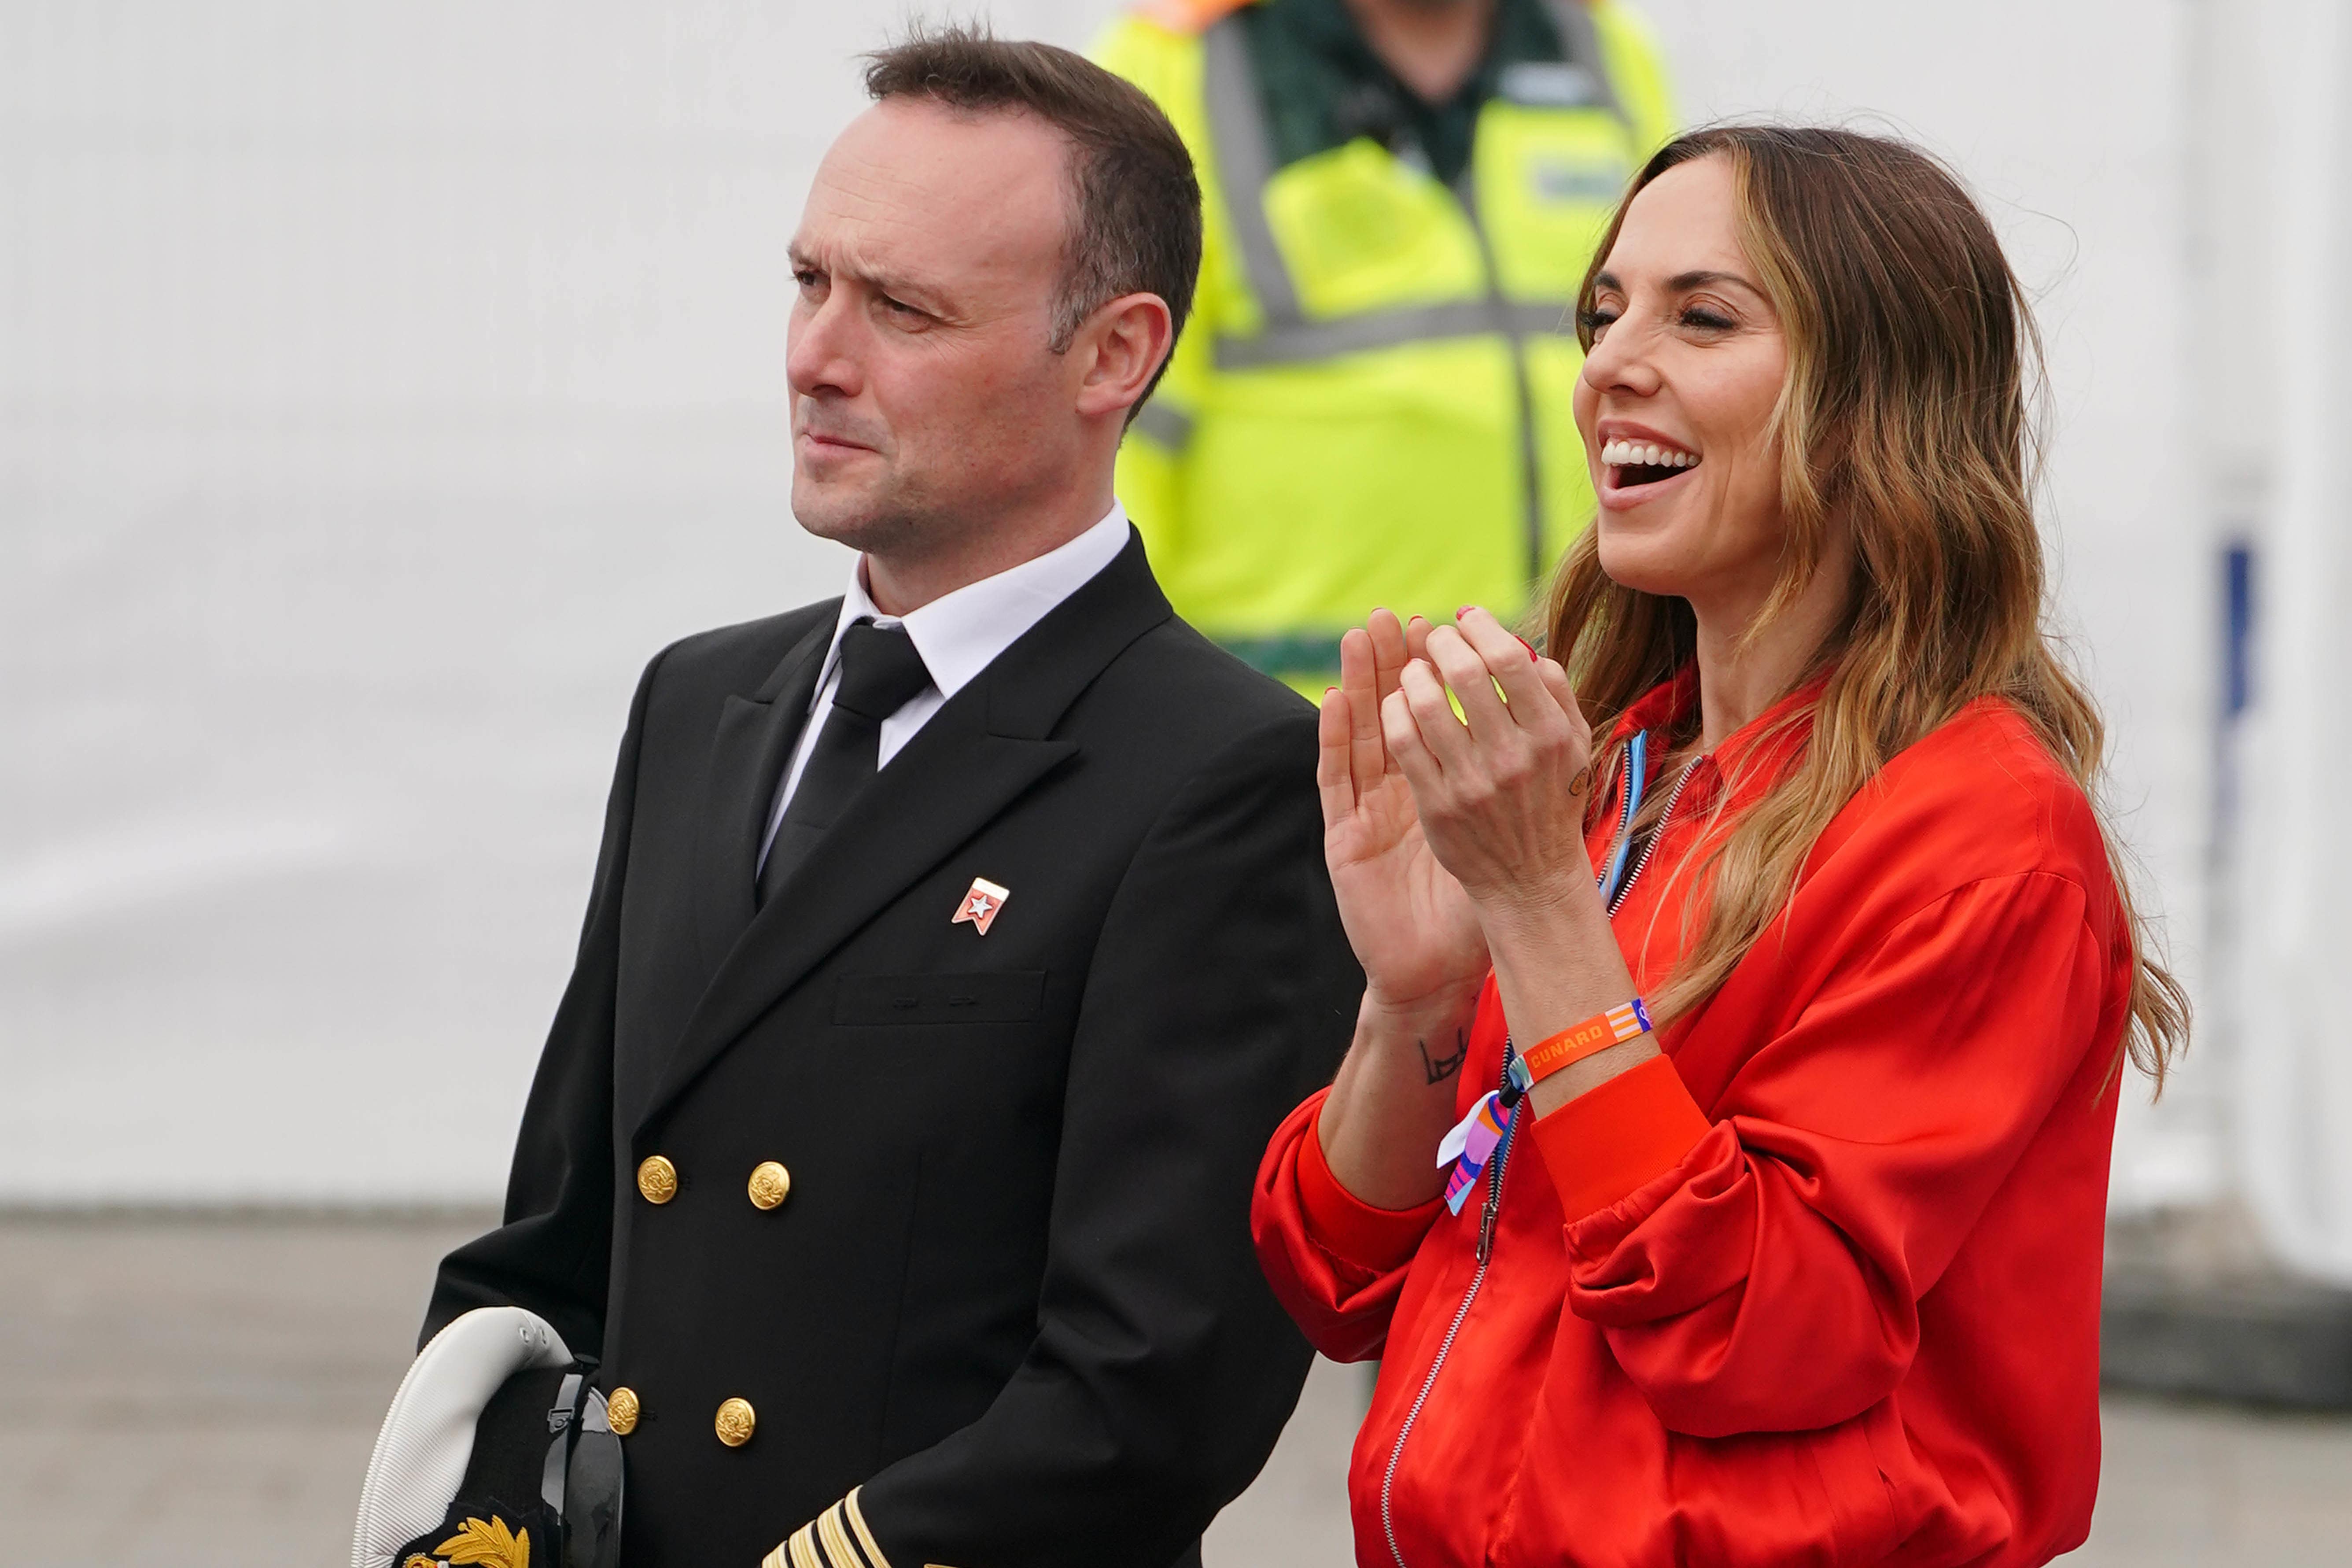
x=1659, y=707
x=960, y=633
x=1672, y=701
x=1752, y=758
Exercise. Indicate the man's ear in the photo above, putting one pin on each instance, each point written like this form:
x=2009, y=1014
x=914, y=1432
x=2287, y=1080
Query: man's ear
x=1118, y=350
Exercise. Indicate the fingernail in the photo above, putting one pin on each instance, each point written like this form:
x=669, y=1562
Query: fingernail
x=1328, y=689
x=1529, y=645
x=1464, y=611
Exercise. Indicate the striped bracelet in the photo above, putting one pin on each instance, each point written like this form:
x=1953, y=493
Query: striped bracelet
x=1594, y=1035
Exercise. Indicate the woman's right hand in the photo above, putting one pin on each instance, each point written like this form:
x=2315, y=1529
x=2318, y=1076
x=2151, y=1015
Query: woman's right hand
x=1413, y=929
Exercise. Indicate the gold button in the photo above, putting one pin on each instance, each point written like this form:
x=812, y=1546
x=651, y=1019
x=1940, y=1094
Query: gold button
x=771, y=1185
x=620, y=1411
x=735, y=1423
x=658, y=1179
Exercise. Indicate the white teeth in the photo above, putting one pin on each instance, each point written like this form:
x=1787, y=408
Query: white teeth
x=1617, y=454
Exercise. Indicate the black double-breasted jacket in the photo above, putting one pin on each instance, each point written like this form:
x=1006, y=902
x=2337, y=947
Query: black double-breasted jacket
x=1010, y=1292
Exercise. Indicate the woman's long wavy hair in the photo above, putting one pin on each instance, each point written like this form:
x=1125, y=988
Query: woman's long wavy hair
x=1911, y=348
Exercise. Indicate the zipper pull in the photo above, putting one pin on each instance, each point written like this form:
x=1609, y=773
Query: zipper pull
x=1493, y=1207
x=1513, y=1096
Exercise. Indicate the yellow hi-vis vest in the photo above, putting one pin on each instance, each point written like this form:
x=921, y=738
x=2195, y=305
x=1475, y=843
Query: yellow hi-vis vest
x=1371, y=404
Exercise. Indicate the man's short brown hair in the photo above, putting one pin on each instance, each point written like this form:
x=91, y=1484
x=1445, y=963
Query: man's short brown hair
x=1135, y=223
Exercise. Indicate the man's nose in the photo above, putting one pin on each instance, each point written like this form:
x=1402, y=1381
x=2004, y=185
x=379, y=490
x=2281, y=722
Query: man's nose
x=820, y=350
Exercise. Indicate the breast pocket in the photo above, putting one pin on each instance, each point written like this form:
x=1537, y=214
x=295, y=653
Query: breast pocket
x=1011, y=996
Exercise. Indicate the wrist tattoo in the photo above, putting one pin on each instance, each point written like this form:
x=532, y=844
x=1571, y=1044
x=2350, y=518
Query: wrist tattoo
x=1440, y=1069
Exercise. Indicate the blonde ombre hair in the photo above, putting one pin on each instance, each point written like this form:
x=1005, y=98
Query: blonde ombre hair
x=1905, y=416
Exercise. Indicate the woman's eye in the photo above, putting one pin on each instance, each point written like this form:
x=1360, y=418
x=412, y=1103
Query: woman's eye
x=1595, y=322
x=1706, y=320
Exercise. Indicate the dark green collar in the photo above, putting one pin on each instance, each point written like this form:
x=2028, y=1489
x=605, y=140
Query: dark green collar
x=1323, y=87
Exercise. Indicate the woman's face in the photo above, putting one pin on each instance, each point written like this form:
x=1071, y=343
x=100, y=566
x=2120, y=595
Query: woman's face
x=1686, y=364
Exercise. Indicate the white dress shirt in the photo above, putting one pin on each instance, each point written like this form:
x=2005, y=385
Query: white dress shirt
x=959, y=635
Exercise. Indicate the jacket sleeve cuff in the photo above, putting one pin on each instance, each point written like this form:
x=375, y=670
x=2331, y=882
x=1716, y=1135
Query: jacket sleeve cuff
x=1610, y=1142
x=838, y=1538
x=1350, y=1229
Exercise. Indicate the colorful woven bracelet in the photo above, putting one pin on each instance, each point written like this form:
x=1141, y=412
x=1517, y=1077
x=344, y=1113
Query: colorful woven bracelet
x=1594, y=1035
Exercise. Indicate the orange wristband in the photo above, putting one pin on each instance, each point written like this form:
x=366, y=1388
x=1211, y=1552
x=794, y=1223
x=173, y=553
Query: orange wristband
x=1594, y=1035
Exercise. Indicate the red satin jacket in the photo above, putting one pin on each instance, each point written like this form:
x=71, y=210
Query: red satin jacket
x=1818, y=1285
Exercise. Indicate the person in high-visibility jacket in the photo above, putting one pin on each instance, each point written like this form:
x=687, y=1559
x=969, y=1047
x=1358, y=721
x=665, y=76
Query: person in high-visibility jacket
x=1371, y=407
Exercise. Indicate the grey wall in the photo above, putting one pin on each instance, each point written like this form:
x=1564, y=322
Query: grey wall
x=2080, y=124
x=381, y=384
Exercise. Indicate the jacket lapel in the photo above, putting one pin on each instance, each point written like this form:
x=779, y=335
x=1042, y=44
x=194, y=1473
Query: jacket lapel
x=981, y=752
x=754, y=736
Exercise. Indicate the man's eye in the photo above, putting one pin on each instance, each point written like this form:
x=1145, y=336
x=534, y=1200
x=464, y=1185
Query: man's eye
x=806, y=277
x=900, y=307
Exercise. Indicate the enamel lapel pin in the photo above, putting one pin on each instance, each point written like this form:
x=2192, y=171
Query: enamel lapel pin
x=981, y=904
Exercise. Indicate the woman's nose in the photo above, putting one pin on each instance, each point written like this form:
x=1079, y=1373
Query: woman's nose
x=1620, y=362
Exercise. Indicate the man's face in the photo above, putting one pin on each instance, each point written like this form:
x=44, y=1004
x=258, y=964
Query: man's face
x=925, y=402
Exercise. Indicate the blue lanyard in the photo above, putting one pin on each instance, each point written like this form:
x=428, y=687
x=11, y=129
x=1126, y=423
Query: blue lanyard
x=1637, y=773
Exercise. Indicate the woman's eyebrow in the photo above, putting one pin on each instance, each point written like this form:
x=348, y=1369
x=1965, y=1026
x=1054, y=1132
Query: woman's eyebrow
x=1684, y=282
x=1681, y=283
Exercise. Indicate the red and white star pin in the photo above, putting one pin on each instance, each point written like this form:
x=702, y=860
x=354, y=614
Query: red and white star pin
x=980, y=905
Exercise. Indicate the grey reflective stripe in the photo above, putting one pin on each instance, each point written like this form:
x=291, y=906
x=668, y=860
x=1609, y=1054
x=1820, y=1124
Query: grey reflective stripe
x=1297, y=652
x=1311, y=341
x=1580, y=39
x=1172, y=427
x=1244, y=147
x=1500, y=310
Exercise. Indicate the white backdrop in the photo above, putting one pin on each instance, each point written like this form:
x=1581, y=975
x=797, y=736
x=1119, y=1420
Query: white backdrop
x=381, y=384
x=2288, y=412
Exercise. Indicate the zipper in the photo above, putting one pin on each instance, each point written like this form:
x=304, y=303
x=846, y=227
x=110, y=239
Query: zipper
x=1487, y=1211
x=1492, y=1207
x=1649, y=844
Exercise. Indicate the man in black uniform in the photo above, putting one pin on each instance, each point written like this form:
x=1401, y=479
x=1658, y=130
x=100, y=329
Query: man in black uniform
x=956, y=945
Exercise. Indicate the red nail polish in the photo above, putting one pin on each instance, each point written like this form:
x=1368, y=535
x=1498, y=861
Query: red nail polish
x=1529, y=645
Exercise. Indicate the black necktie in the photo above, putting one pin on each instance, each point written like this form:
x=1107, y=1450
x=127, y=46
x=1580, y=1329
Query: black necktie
x=880, y=670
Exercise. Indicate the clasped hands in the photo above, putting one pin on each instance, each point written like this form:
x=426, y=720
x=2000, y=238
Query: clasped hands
x=1456, y=841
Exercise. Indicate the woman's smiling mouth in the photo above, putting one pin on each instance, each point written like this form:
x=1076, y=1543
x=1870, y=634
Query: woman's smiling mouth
x=1636, y=465
x=1634, y=471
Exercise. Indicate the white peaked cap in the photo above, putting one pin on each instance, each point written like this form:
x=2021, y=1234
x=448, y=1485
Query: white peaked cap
x=428, y=1434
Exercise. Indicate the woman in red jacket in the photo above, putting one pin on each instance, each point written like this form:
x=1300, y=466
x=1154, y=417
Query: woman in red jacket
x=1808, y=1271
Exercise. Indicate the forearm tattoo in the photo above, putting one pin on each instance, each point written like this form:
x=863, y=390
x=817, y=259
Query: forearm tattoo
x=1440, y=1069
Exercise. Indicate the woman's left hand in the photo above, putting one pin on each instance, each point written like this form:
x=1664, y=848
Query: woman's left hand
x=1501, y=789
